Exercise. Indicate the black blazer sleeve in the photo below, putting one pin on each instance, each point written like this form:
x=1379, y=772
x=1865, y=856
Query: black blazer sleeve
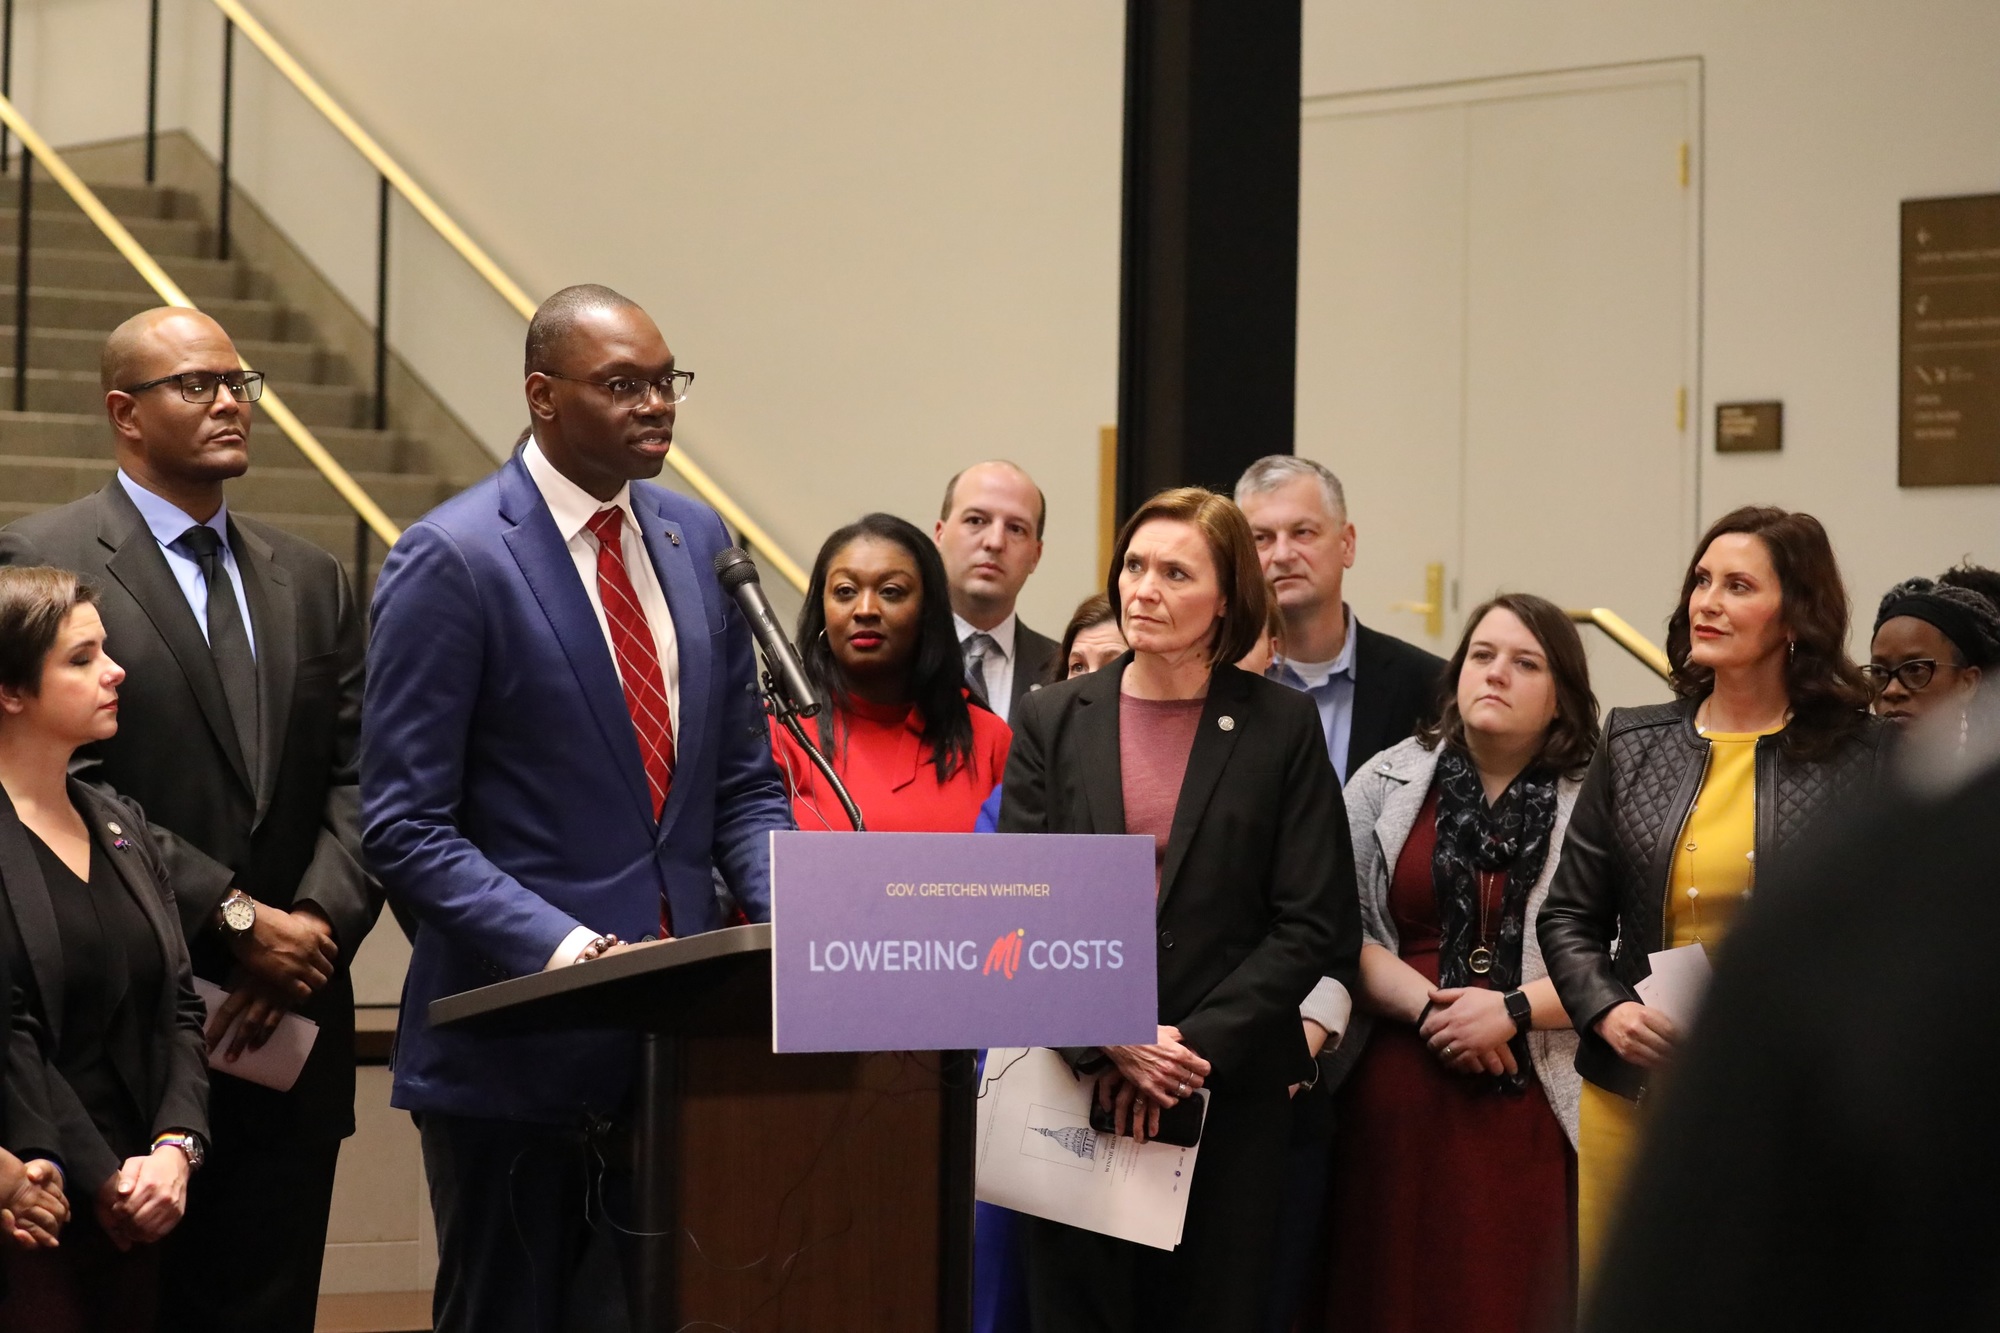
x=1315, y=914
x=1579, y=920
x=182, y=1018
x=335, y=882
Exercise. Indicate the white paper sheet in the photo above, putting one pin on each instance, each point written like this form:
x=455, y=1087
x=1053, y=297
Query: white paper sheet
x=1038, y=1154
x=275, y=1064
x=1680, y=977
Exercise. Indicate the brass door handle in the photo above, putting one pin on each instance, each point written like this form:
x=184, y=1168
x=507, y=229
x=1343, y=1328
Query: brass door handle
x=1432, y=607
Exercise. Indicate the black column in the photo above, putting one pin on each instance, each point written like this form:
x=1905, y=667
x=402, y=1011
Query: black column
x=1208, y=325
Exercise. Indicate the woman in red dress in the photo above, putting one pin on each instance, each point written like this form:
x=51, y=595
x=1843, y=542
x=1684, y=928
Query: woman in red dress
x=915, y=750
x=1455, y=1161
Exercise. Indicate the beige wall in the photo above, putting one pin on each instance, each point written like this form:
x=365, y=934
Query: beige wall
x=883, y=234
x=1820, y=116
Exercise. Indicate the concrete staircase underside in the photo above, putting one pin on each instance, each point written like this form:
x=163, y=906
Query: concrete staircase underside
x=80, y=288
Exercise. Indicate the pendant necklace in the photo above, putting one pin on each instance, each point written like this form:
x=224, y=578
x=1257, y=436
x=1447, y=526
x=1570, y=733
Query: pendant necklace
x=1480, y=960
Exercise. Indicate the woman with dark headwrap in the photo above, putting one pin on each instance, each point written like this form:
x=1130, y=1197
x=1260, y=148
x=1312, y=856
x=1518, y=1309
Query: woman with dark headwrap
x=1932, y=643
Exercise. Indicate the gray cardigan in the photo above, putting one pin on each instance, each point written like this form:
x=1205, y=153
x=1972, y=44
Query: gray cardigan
x=1383, y=801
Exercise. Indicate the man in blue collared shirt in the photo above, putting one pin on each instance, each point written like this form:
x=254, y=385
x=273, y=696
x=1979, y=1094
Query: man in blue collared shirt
x=1372, y=691
x=238, y=734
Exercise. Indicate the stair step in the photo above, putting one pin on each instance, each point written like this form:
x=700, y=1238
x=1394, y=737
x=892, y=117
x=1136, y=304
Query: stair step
x=77, y=391
x=70, y=308
x=127, y=201
x=204, y=280
x=62, y=230
x=298, y=489
x=81, y=349
x=86, y=435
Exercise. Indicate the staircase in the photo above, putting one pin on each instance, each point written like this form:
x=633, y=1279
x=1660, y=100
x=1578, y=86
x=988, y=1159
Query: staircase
x=80, y=288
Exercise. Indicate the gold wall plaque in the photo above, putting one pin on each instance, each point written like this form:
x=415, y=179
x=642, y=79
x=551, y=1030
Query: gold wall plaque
x=1749, y=428
x=1949, y=418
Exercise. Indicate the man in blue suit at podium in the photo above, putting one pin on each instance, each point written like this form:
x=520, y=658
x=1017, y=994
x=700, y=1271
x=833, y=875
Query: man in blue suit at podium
x=562, y=743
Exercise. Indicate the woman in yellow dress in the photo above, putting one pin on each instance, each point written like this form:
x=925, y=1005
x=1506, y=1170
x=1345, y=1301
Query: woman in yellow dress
x=1685, y=800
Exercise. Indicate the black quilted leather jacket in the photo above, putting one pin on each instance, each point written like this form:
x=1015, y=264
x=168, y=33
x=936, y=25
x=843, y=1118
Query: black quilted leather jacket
x=1611, y=883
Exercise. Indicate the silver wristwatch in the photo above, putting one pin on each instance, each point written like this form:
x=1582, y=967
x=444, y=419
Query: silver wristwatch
x=236, y=915
x=189, y=1144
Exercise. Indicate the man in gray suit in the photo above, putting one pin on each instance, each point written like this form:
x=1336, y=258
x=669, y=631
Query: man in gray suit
x=989, y=531
x=239, y=728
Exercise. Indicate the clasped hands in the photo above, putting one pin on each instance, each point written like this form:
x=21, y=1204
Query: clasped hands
x=1468, y=1029
x=283, y=962
x=1144, y=1080
x=33, y=1208
x=146, y=1199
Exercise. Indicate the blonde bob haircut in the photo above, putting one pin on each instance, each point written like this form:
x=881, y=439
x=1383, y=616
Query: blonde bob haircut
x=1233, y=551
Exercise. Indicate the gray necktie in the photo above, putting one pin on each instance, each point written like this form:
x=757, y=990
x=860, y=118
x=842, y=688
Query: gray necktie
x=978, y=646
x=228, y=640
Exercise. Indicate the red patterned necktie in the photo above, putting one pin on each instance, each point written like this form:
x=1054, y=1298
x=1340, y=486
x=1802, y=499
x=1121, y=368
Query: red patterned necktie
x=638, y=666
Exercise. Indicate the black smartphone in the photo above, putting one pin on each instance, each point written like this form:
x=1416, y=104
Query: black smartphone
x=1180, y=1124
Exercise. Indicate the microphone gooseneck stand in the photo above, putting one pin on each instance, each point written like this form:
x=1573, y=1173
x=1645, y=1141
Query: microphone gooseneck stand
x=782, y=708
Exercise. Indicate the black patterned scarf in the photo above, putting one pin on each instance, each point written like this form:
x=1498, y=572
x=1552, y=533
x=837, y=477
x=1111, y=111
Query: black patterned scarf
x=1512, y=835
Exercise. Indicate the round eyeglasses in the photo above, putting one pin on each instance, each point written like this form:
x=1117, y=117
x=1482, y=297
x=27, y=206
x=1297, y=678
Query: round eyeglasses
x=199, y=386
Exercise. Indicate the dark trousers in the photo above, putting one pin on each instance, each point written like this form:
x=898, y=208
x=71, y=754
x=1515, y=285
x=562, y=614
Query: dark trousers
x=527, y=1227
x=1301, y=1215
x=1082, y=1282
x=84, y=1285
x=247, y=1257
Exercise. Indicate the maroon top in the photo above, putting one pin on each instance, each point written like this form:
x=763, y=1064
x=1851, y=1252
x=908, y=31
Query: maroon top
x=1154, y=738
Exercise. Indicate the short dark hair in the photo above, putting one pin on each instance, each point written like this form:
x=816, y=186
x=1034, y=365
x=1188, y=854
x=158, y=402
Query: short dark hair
x=1091, y=612
x=1041, y=500
x=35, y=600
x=1826, y=689
x=1573, y=734
x=1230, y=546
x=937, y=675
x=556, y=319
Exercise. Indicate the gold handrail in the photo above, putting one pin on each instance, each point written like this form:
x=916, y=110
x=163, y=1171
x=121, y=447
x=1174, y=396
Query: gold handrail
x=169, y=292
x=1631, y=640
x=481, y=263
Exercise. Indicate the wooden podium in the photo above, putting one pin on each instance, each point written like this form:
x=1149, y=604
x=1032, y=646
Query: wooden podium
x=771, y=1192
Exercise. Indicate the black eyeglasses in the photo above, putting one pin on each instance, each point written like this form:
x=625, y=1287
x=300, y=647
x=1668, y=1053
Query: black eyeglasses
x=199, y=386
x=628, y=392
x=1914, y=674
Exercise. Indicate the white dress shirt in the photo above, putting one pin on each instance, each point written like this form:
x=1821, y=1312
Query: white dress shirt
x=573, y=507
x=998, y=668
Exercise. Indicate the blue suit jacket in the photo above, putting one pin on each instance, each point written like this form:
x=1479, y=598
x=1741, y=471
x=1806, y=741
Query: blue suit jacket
x=502, y=790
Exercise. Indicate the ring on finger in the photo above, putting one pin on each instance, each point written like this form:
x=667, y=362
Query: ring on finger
x=1447, y=1050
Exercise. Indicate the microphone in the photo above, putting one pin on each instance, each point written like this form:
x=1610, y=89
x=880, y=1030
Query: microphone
x=738, y=575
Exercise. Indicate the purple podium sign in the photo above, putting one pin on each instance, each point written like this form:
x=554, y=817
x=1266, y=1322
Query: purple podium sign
x=947, y=941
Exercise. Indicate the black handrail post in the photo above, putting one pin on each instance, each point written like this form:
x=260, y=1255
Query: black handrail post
x=152, y=90
x=228, y=98
x=361, y=558
x=382, y=305
x=6, y=72
x=26, y=201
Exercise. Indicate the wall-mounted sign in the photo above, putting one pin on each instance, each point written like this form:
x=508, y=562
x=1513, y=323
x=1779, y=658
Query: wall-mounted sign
x=1950, y=415
x=1749, y=428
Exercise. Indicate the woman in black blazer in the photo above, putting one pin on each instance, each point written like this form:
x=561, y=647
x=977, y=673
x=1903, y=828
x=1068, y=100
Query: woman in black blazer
x=98, y=964
x=1229, y=774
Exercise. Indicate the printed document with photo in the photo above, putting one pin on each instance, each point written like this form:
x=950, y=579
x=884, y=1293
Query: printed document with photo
x=1038, y=1154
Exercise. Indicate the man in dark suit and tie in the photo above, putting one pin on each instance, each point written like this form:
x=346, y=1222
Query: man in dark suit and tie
x=989, y=531
x=241, y=712
x=564, y=745
x=1372, y=690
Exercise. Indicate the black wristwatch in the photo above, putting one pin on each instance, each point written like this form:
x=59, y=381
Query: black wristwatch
x=1520, y=1010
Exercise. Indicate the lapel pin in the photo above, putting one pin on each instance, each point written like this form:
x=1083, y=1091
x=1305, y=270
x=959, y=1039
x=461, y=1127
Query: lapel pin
x=674, y=537
x=1226, y=722
x=114, y=828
